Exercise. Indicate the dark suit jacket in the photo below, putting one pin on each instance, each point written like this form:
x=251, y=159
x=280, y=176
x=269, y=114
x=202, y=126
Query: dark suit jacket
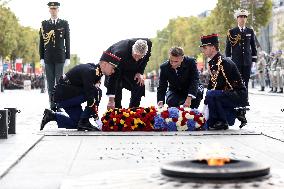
x=128, y=67
x=184, y=82
x=54, y=46
x=242, y=51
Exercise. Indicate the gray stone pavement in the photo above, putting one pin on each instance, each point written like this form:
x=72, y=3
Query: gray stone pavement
x=59, y=159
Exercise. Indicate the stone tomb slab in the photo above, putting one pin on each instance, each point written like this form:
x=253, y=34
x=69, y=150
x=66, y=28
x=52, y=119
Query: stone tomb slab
x=134, y=161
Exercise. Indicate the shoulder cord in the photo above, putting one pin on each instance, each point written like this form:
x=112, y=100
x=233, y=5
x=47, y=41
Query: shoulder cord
x=233, y=40
x=46, y=37
x=215, y=76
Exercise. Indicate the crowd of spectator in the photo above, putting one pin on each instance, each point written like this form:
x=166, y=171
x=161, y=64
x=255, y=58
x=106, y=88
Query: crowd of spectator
x=15, y=80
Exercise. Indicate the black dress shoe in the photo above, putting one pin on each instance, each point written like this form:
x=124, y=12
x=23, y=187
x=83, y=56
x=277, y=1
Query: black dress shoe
x=220, y=125
x=85, y=125
x=48, y=116
x=241, y=116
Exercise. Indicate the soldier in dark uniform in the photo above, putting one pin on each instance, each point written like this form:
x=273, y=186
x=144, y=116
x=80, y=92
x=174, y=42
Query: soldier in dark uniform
x=226, y=90
x=79, y=85
x=180, y=73
x=54, y=48
x=135, y=54
x=241, y=47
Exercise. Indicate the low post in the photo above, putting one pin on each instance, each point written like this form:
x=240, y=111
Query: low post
x=12, y=120
x=152, y=84
x=3, y=124
x=1, y=84
x=42, y=84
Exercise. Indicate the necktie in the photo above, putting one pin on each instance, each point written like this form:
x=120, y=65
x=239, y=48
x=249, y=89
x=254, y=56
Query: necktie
x=54, y=22
x=242, y=30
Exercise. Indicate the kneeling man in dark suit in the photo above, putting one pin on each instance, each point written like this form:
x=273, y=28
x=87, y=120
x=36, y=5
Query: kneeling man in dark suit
x=180, y=74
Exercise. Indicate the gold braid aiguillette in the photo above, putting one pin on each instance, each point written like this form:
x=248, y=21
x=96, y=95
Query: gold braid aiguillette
x=48, y=36
x=215, y=75
x=233, y=40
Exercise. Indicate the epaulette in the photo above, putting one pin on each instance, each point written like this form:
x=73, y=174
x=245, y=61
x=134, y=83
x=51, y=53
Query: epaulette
x=98, y=72
x=229, y=32
x=44, y=22
x=62, y=20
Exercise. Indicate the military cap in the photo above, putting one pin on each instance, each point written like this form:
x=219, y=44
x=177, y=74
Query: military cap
x=53, y=4
x=241, y=12
x=110, y=58
x=209, y=40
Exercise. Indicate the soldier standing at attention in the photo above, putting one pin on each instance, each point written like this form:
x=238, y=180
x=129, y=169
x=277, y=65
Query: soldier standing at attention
x=240, y=46
x=54, y=48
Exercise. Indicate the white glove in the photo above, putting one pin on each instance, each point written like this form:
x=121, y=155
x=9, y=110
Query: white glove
x=99, y=124
x=205, y=111
x=67, y=62
x=42, y=62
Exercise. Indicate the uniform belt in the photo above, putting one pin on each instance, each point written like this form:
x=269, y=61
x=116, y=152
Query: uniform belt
x=64, y=80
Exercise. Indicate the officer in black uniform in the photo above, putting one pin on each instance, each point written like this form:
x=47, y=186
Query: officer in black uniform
x=54, y=48
x=241, y=47
x=181, y=75
x=135, y=54
x=226, y=90
x=79, y=85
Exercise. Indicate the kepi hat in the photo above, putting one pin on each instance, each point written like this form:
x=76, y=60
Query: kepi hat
x=110, y=58
x=209, y=40
x=53, y=4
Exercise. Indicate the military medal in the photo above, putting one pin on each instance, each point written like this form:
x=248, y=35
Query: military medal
x=97, y=71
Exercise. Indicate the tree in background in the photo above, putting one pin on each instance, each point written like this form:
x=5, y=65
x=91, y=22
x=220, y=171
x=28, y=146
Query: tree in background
x=182, y=31
x=17, y=41
x=280, y=36
x=8, y=31
x=27, y=45
x=186, y=31
x=221, y=19
x=260, y=12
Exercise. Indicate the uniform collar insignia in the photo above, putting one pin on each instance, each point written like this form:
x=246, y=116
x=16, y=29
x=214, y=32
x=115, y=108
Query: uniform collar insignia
x=98, y=71
x=214, y=59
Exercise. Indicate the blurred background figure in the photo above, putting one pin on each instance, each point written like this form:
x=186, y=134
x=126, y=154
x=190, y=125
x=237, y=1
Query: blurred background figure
x=261, y=65
x=279, y=72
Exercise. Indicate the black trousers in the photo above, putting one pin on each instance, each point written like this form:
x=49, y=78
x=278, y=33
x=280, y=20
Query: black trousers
x=174, y=99
x=245, y=73
x=136, y=90
x=221, y=106
x=53, y=73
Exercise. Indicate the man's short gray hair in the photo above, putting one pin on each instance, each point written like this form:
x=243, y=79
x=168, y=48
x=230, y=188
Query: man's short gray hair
x=140, y=47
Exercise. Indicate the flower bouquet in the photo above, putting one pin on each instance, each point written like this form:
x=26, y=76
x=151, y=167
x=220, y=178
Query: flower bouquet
x=179, y=119
x=152, y=119
x=131, y=119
